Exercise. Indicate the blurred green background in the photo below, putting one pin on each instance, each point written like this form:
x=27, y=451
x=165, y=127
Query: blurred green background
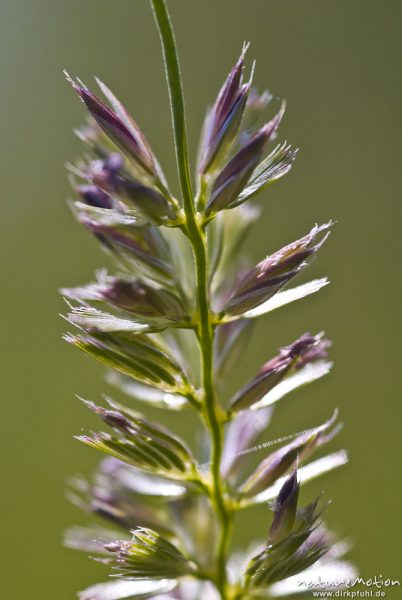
x=338, y=65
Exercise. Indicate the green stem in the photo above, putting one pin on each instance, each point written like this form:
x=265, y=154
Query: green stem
x=205, y=329
x=205, y=335
x=173, y=78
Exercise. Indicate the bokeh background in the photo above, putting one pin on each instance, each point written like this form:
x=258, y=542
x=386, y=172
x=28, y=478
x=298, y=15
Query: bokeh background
x=338, y=65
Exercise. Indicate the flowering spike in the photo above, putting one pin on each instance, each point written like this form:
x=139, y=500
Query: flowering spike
x=285, y=509
x=110, y=175
x=115, y=346
x=235, y=175
x=297, y=379
x=138, y=297
x=127, y=119
x=223, y=120
x=143, y=299
x=303, y=351
x=170, y=326
x=148, y=556
x=142, y=248
x=277, y=463
x=296, y=542
x=307, y=473
x=275, y=271
x=124, y=133
x=276, y=165
x=141, y=443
